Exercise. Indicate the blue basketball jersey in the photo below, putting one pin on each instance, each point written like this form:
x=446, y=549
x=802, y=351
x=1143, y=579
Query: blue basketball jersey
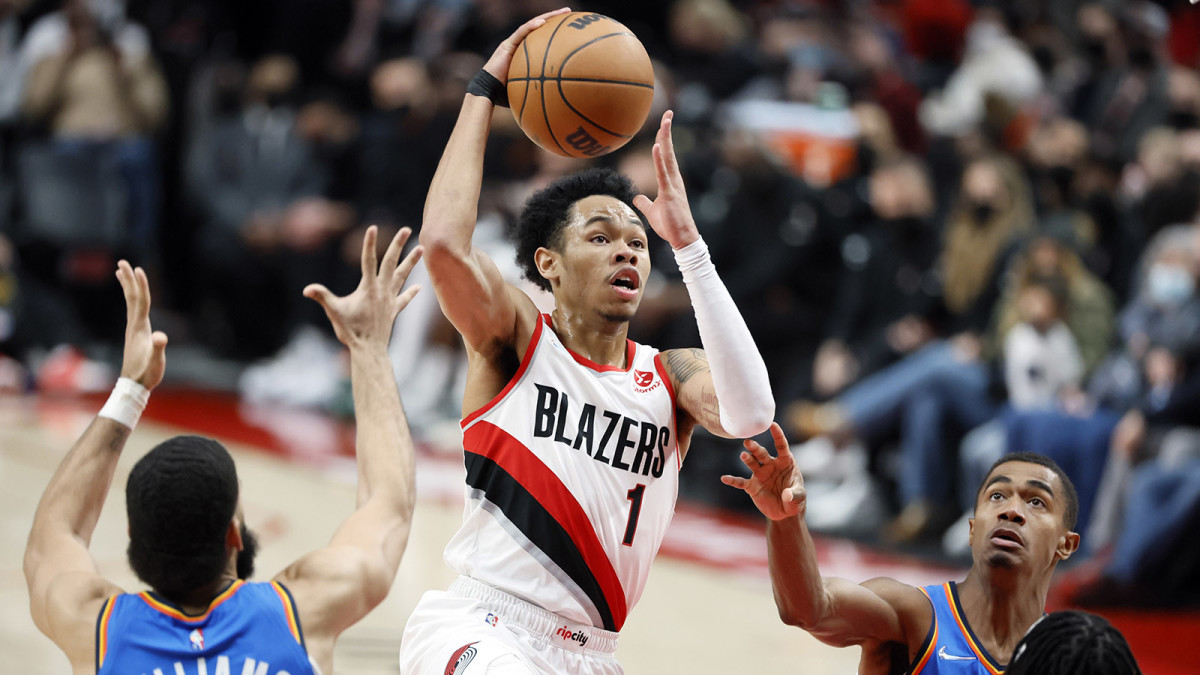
x=950, y=646
x=248, y=628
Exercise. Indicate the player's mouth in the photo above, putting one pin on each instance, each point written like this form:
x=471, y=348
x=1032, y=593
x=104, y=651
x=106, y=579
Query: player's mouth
x=625, y=282
x=1005, y=537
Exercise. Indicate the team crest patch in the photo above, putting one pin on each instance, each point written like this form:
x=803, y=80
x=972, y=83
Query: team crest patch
x=461, y=659
x=643, y=381
x=196, y=639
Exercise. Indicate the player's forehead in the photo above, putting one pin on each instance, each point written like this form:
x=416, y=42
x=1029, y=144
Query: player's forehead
x=606, y=208
x=1026, y=474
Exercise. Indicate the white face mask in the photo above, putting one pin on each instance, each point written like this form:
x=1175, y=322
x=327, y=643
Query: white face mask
x=1169, y=285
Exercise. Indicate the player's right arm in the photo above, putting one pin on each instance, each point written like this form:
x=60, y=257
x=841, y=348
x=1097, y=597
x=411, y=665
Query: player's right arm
x=472, y=292
x=835, y=611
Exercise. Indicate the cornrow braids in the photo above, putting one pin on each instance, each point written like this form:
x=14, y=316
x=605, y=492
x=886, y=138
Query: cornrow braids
x=1073, y=642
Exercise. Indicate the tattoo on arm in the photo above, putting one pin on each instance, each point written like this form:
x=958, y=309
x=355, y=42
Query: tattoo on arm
x=685, y=363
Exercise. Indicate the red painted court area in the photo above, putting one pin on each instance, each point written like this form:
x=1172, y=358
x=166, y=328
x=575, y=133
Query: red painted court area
x=1162, y=641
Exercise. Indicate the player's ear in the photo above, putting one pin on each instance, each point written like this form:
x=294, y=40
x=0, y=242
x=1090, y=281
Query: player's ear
x=546, y=262
x=233, y=534
x=971, y=532
x=1067, y=545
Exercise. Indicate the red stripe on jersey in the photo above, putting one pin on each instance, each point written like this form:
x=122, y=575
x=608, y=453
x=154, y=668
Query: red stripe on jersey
x=662, y=372
x=533, y=342
x=489, y=440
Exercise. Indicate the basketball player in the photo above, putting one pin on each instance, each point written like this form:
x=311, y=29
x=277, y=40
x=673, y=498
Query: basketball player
x=1024, y=513
x=1073, y=642
x=573, y=434
x=187, y=533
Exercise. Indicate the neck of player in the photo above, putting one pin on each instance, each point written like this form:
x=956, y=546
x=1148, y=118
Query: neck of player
x=593, y=337
x=1001, y=605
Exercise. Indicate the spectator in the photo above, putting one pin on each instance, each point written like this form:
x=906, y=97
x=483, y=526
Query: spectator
x=259, y=191
x=92, y=82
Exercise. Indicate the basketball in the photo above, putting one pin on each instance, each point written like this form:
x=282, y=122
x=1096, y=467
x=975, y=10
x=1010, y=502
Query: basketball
x=580, y=85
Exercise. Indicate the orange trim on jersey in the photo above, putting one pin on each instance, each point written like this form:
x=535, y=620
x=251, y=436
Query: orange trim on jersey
x=290, y=610
x=662, y=372
x=584, y=361
x=980, y=652
x=102, y=637
x=176, y=614
x=528, y=356
x=922, y=658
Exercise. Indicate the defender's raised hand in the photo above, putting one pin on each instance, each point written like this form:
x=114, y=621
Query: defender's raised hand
x=669, y=213
x=145, y=357
x=498, y=64
x=775, y=484
x=365, y=317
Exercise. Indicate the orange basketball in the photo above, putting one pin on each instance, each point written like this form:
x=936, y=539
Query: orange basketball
x=580, y=85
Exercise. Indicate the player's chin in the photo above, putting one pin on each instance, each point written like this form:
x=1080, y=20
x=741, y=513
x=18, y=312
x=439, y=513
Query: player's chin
x=622, y=315
x=1001, y=559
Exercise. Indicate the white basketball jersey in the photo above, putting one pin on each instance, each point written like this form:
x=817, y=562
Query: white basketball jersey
x=572, y=475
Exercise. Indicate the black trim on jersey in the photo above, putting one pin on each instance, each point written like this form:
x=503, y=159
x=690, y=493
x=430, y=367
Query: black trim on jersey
x=967, y=624
x=538, y=525
x=928, y=644
x=295, y=614
x=100, y=618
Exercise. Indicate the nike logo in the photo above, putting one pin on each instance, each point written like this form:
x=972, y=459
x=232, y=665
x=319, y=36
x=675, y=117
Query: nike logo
x=951, y=657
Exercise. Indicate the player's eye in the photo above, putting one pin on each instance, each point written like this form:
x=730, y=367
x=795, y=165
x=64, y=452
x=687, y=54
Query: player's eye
x=1037, y=501
x=637, y=243
x=996, y=495
x=599, y=239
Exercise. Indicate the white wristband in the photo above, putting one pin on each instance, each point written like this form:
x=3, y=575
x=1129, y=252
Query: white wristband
x=126, y=403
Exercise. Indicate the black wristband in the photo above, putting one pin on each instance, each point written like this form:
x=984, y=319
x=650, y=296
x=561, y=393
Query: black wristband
x=486, y=85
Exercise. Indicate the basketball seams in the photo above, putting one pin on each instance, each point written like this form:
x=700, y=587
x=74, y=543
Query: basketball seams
x=545, y=58
x=563, y=66
x=528, y=69
x=596, y=80
x=585, y=118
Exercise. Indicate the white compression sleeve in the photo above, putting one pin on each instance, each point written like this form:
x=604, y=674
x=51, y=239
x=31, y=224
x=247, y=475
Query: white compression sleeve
x=739, y=374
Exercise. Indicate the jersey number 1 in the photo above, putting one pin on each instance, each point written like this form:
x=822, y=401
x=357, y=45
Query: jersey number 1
x=635, y=509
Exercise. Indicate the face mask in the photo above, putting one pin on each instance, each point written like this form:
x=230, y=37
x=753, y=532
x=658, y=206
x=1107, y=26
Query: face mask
x=982, y=212
x=1169, y=285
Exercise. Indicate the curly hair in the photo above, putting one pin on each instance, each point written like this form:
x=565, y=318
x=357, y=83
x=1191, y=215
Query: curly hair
x=546, y=213
x=179, y=499
x=1073, y=642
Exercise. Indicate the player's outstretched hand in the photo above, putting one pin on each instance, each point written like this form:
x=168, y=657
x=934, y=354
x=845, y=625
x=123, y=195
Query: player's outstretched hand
x=145, y=356
x=498, y=64
x=669, y=213
x=775, y=484
x=365, y=317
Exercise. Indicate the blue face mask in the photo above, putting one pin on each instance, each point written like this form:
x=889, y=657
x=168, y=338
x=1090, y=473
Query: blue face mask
x=1169, y=285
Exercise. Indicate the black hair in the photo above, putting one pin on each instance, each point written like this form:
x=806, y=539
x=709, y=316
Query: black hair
x=546, y=213
x=180, y=499
x=1073, y=642
x=1071, y=513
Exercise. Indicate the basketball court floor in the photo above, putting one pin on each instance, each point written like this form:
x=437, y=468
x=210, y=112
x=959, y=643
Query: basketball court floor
x=706, y=609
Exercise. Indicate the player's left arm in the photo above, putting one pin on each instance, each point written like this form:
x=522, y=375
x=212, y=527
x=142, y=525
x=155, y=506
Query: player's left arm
x=725, y=386
x=66, y=589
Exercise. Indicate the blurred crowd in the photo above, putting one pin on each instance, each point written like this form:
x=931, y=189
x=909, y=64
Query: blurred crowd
x=955, y=228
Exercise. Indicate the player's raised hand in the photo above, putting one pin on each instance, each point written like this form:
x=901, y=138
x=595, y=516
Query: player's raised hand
x=775, y=484
x=365, y=317
x=669, y=213
x=498, y=64
x=145, y=358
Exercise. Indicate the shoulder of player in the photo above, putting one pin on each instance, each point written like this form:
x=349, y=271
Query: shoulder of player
x=71, y=609
x=913, y=608
x=682, y=364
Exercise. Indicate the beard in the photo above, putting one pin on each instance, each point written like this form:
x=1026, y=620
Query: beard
x=617, y=318
x=245, y=557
